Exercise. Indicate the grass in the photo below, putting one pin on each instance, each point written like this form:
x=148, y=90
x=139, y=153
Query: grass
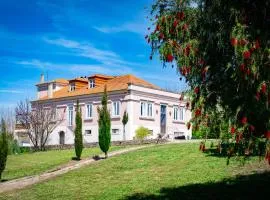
x=174, y=171
x=34, y=163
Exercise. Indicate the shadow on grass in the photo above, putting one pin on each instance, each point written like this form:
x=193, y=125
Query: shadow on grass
x=255, y=186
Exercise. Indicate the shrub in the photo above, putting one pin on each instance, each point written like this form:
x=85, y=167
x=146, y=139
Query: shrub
x=142, y=133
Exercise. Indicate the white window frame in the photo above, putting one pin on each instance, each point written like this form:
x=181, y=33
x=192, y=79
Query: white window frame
x=175, y=113
x=178, y=113
x=70, y=114
x=116, y=108
x=92, y=83
x=87, y=114
x=146, y=109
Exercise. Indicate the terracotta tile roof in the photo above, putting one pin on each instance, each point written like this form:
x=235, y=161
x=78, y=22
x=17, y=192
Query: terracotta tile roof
x=79, y=79
x=115, y=84
x=102, y=76
x=60, y=80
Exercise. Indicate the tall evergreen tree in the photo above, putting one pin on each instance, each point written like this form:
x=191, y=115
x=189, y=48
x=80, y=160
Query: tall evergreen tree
x=104, y=125
x=124, y=122
x=3, y=147
x=78, y=133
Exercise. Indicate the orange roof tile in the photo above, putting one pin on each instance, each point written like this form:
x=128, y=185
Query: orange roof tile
x=102, y=76
x=115, y=84
x=60, y=80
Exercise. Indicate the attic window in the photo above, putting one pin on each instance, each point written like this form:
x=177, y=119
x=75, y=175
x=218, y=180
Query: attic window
x=72, y=87
x=91, y=83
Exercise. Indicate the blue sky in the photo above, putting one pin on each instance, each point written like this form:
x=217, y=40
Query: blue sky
x=72, y=38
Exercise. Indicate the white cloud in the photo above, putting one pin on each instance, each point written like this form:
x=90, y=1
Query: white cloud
x=113, y=69
x=87, y=50
x=134, y=27
x=11, y=91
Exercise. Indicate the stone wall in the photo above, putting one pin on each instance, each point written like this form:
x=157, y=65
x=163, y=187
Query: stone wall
x=114, y=143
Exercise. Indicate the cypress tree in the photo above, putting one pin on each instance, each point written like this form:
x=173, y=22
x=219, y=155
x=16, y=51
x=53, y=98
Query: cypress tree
x=124, y=122
x=78, y=133
x=104, y=125
x=3, y=147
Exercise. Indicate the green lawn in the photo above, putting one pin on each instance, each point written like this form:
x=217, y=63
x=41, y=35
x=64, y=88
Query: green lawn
x=174, y=171
x=34, y=163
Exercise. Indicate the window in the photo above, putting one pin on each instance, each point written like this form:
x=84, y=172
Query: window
x=146, y=109
x=91, y=83
x=178, y=113
x=149, y=110
x=115, y=131
x=181, y=114
x=89, y=110
x=72, y=87
x=116, y=108
x=70, y=115
x=88, y=132
x=175, y=113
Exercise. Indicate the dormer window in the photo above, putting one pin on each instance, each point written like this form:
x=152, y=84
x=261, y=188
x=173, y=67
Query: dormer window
x=72, y=87
x=91, y=83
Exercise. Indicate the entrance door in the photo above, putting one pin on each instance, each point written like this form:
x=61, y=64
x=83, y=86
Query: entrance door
x=163, y=109
x=62, y=137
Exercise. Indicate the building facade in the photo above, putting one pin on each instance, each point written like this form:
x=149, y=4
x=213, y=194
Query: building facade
x=146, y=104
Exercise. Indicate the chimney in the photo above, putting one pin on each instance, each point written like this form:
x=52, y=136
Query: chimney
x=41, y=78
x=50, y=90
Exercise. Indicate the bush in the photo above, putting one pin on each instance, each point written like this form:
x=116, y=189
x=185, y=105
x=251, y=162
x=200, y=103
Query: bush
x=142, y=133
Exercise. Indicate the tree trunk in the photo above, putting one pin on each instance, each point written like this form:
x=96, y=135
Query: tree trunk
x=124, y=136
x=106, y=154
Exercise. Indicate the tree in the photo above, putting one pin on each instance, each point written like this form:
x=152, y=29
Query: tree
x=38, y=121
x=104, y=125
x=124, y=122
x=3, y=148
x=222, y=50
x=8, y=115
x=142, y=133
x=78, y=133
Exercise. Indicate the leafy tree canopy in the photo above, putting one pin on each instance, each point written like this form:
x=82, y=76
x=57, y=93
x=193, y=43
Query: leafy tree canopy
x=222, y=49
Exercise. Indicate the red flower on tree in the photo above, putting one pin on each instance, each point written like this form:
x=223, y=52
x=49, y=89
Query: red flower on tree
x=232, y=130
x=161, y=36
x=180, y=15
x=267, y=134
x=244, y=120
x=242, y=67
x=234, y=42
x=157, y=27
x=198, y=112
x=196, y=90
x=263, y=88
x=169, y=58
x=246, y=54
x=257, y=44
x=175, y=23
